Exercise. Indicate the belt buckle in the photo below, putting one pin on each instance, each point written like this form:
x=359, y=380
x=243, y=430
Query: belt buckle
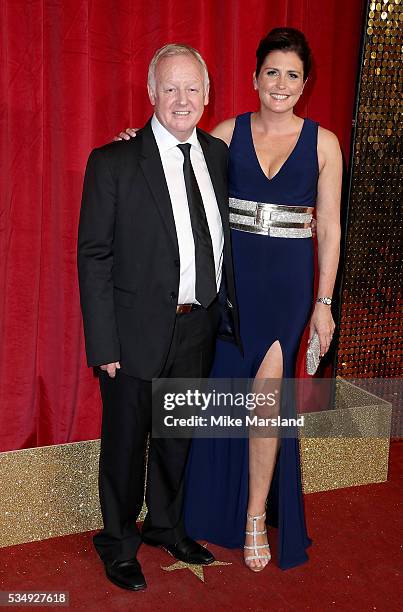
x=259, y=215
x=183, y=308
x=262, y=216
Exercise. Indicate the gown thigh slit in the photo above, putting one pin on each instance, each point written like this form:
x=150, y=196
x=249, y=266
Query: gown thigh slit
x=274, y=283
x=268, y=359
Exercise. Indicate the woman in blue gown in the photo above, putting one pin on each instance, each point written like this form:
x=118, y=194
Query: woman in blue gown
x=275, y=158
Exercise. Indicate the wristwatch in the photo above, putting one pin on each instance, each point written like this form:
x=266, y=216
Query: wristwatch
x=324, y=300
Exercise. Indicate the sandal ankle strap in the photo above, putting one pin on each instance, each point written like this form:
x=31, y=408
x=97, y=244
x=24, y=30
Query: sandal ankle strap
x=255, y=518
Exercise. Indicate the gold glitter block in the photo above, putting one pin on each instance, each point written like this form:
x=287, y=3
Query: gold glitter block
x=49, y=491
x=335, y=463
x=53, y=490
x=347, y=446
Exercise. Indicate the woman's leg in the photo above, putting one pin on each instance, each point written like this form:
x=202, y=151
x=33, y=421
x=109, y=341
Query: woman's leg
x=263, y=453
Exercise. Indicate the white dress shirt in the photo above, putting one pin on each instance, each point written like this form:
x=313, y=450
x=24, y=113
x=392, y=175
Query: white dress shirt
x=172, y=163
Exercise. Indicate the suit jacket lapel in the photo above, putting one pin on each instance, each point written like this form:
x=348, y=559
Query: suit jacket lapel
x=155, y=177
x=216, y=175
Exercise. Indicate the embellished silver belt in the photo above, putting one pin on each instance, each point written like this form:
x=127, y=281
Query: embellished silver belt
x=275, y=220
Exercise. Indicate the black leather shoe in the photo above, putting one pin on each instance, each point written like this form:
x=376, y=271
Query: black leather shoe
x=186, y=550
x=126, y=574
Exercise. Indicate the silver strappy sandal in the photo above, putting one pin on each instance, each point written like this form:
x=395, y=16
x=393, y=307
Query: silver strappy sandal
x=255, y=547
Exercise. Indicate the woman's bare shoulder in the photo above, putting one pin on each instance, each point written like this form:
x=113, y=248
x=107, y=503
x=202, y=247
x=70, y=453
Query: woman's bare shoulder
x=327, y=139
x=224, y=130
x=328, y=147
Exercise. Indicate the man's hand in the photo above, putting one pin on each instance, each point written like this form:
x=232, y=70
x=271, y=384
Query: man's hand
x=127, y=134
x=111, y=368
x=313, y=227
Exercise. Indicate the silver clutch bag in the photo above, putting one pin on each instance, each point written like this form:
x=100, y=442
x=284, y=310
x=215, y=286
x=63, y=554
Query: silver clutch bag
x=313, y=355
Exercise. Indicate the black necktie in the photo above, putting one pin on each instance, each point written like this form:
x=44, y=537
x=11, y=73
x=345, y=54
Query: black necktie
x=206, y=287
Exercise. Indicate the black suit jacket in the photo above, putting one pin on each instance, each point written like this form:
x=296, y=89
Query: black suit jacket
x=128, y=257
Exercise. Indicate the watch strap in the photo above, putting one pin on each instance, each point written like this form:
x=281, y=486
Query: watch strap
x=324, y=300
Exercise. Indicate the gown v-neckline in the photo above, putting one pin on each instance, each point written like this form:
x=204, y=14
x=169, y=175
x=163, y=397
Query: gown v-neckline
x=287, y=158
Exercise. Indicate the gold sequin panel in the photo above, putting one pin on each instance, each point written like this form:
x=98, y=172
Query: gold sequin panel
x=371, y=327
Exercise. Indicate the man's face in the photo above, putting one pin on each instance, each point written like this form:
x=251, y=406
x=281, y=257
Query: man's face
x=179, y=97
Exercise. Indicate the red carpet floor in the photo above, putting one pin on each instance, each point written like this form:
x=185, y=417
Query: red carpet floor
x=355, y=564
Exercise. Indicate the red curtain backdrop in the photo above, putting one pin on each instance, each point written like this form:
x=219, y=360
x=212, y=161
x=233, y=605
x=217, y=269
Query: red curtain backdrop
x=73, y=74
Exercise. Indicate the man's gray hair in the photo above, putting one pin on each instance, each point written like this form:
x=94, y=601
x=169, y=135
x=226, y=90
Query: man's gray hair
x=175, y=49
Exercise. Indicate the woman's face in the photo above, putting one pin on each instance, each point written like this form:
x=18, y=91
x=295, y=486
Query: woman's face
x=281, y=81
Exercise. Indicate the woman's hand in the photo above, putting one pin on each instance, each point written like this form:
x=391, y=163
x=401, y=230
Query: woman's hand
x=322, y=322
x=127, y=134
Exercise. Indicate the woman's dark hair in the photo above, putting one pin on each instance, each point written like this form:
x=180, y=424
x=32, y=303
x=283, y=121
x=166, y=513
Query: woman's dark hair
x=285, y=39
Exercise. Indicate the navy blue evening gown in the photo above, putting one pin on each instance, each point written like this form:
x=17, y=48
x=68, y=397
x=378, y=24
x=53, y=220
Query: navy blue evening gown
x=274, y=282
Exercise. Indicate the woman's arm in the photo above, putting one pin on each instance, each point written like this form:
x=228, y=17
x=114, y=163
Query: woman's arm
x=328, y=232
x=223, y=130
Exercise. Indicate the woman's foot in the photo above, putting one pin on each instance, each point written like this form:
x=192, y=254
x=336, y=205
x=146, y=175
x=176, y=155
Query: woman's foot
x=256, y=550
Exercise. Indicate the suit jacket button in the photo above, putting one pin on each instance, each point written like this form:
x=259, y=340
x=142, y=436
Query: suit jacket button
x=173, y=295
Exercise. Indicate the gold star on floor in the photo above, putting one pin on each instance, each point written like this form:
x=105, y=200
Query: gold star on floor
x=197, y=570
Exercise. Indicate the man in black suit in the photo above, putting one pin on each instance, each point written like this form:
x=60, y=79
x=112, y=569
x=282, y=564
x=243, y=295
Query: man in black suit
x=156, y=283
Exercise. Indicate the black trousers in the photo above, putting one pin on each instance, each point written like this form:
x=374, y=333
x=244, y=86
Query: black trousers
x=126, y=422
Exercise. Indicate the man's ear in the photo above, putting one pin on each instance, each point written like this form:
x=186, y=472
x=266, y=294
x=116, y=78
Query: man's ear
x=151, y=95
x=207, y=95
x=254, y=79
